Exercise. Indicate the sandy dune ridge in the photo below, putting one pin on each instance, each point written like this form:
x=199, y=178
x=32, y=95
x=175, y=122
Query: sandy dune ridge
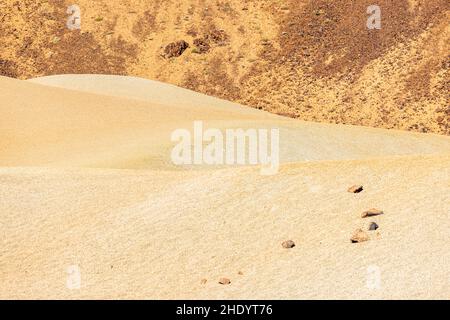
x=86, y=180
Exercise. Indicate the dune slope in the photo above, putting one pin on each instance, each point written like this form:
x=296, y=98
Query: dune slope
x=86, y=184
x=96, y=129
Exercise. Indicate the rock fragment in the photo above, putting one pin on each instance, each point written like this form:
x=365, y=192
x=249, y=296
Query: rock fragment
x=359, y=236
x=175, y=49
x=224, y=281
x=355, y=189
x=288, y=244
x=371, y=213
x=213, y=37
x=373, y=226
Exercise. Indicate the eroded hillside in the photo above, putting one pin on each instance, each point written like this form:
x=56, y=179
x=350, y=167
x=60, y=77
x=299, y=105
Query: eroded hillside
x=310, y=59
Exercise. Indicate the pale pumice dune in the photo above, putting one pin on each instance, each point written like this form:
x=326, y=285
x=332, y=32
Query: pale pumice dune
x=86, y=180
x=69, y=128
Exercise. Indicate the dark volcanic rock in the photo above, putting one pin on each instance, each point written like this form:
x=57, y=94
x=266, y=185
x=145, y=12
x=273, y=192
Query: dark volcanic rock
x=373, y=226
x=175, y=49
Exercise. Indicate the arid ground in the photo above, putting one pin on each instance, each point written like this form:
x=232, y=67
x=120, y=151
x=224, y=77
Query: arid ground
x=92, y=205
x=309, y=59
x=88, y=190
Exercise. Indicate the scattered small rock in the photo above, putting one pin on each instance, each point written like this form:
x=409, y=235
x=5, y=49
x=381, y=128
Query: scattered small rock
x=203, y=281
x=240, y=273
x=175, y=49
x=288, y=244
x=373, y=226
x=224, y=281
x=359, y=236
x=371, y=213
x=355, y=189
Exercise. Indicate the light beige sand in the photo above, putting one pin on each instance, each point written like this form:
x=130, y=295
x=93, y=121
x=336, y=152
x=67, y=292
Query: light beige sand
x=94, y=129
x=85, y=180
